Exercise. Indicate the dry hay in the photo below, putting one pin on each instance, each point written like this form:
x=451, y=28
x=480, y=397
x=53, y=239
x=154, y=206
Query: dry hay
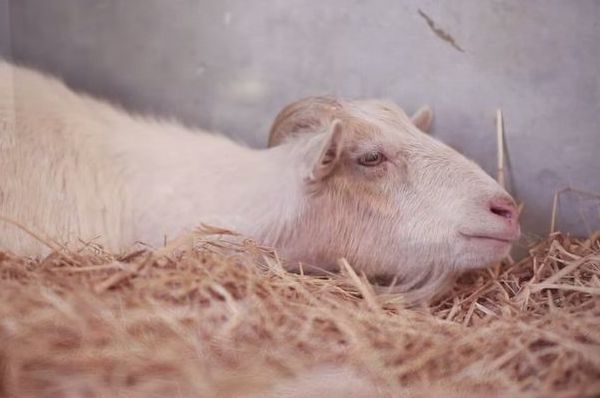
x=218, y=319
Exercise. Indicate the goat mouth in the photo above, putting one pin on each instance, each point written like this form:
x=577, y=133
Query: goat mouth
x=488, y=238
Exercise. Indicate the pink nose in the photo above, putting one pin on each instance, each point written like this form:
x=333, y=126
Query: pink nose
x=505, y=207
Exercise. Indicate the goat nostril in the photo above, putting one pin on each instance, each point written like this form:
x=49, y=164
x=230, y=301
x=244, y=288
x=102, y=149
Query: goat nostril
x=502, y=212
x=504, y=208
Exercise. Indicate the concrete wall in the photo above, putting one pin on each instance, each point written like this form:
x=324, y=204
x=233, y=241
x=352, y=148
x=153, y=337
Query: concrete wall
x=229, y=65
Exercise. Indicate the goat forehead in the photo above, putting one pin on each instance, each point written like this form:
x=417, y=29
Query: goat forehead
x=379, y=107
x=369, y=128
x=378, y=122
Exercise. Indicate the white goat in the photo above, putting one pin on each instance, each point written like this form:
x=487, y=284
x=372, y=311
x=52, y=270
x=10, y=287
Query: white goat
x=353, y=179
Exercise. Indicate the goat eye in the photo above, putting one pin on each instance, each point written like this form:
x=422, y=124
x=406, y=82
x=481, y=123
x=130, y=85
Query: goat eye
x=371, y=159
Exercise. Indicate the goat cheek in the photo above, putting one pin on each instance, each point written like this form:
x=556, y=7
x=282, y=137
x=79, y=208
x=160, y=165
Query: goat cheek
x=377, y=171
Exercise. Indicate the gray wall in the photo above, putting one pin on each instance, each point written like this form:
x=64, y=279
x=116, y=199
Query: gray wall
x=230, y=65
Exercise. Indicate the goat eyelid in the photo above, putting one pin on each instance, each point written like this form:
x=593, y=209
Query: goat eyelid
x=372, y=158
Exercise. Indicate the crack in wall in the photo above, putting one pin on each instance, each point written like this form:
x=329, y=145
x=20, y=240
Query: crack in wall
x=442, y=34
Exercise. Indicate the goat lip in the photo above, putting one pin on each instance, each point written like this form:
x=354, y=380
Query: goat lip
x=501, y=239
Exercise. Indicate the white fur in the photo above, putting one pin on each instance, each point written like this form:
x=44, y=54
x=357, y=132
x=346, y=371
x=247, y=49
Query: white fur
x=82, y=169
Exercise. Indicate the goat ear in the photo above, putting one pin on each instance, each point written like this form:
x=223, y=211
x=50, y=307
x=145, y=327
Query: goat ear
x=423, y=118
x=308, y=115
x=329, y=153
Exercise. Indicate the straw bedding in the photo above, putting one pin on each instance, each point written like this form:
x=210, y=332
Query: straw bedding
x=216, y=318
